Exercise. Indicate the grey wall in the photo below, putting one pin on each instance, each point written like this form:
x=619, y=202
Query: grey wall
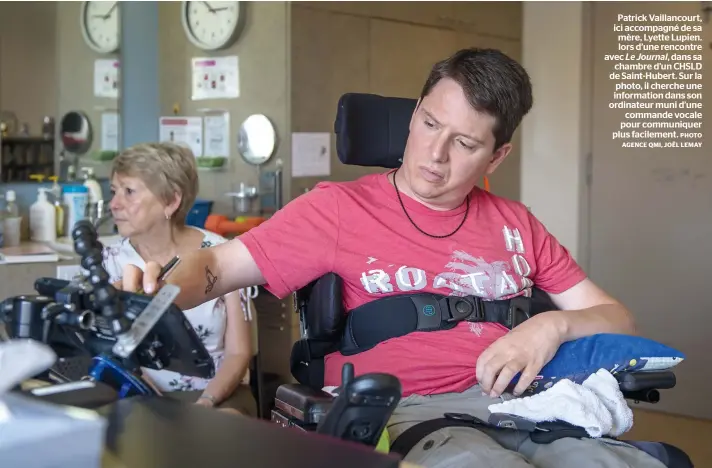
x=651, y=223
x=74, y=77
x=642, y=225
x=28, y=61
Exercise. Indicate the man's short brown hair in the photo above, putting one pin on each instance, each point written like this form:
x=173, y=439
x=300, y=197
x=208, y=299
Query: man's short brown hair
x=494, y=84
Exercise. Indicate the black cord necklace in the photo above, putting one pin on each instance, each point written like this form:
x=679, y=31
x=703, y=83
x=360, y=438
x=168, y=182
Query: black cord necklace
x=467, y=210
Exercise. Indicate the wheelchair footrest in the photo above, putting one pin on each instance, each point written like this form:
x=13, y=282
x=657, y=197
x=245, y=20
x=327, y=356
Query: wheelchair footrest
x=302, y=403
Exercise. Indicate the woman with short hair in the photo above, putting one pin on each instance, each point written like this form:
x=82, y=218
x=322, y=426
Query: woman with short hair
x=153, y=186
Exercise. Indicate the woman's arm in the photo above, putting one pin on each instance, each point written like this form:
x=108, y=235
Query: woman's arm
x=238, y=352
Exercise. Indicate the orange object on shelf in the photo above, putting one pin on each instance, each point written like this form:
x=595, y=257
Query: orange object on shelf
x=219, y=224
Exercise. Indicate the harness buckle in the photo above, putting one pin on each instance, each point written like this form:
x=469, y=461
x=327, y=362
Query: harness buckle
x=468, y=308
x=519, y=310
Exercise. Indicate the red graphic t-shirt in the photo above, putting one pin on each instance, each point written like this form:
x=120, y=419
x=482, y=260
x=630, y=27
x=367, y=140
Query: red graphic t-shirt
x=358, y=230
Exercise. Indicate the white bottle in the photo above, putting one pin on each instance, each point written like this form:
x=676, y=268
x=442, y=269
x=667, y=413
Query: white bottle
x=95, y=193
x=43, y=219
x=11, y=207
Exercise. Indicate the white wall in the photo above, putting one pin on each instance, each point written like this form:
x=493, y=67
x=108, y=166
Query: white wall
x=555, y=135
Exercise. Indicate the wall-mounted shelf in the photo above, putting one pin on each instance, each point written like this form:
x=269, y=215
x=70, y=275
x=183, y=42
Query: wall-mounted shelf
x=21, y=156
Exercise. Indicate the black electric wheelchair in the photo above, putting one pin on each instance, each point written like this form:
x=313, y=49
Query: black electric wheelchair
x=372, y=131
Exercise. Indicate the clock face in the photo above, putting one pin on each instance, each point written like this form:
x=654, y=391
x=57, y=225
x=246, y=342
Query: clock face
x=212, y=25
x=100, y=25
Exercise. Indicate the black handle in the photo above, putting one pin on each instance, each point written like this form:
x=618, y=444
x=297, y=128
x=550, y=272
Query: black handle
x=105, y=296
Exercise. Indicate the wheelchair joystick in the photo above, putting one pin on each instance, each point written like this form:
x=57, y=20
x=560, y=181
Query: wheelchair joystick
x=362, y=408
x=347, y=374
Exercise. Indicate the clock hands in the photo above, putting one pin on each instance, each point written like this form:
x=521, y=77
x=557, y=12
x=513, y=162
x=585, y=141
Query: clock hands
x=214, y=10
x=111, y=10
x=108, y=13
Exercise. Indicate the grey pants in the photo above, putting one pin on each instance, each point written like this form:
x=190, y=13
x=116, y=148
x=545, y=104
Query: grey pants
x=456, y=447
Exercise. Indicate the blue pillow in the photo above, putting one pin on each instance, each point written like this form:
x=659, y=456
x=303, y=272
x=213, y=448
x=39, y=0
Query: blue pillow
x=577, y=360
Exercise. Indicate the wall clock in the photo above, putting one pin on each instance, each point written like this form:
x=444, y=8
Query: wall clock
x=213, y=25
x=100, y=26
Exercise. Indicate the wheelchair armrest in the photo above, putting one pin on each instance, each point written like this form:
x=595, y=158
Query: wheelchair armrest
x=304, y=404
x=644, y=385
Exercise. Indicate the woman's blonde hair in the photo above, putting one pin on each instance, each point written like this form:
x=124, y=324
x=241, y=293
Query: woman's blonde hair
x=167, y=169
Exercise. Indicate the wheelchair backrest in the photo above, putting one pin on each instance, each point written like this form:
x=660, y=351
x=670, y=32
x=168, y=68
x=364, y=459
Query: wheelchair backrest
x=320, y=307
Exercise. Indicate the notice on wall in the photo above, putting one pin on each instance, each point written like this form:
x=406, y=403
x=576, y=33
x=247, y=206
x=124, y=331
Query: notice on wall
x=311, y=154
x=187, y=131
x=215, y=78
x=110, y=131
x=217, y=135
x=656, y=78
x=106, y=78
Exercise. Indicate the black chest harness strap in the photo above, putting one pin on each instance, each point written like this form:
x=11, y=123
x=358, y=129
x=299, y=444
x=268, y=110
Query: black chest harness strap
x=328, y=328
x=395, y=316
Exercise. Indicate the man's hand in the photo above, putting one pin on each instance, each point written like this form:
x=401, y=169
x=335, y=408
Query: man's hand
x=584, y=310
x=133, y=278
x=526, y=349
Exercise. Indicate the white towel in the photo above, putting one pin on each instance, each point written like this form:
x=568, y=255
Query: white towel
x=330, y=390
x=596, y=405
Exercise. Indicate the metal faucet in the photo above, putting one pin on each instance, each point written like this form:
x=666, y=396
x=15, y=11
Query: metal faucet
x=98, y=213
x=243, y=198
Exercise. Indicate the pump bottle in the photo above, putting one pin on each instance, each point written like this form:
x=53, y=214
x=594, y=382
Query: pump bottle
x=43, y=218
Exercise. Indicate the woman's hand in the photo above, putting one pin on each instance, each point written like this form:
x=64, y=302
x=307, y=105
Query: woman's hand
x=202, y=401
x=209, y=404
x=526, y=349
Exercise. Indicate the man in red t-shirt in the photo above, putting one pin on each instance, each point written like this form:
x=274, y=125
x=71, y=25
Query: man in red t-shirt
x=427, y=227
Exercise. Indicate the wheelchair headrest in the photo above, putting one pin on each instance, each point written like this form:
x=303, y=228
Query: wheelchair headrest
x=372, y=130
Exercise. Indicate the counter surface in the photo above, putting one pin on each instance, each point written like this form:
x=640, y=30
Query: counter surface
x=19, y=278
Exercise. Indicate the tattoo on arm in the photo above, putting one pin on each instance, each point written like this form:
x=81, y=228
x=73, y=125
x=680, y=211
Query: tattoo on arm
x=211, y=278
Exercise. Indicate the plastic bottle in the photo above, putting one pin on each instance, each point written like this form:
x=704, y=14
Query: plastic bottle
x=58, y=207
x=75, y=199
x=90, y=182
x=43, y=218
x=12, y=222
x=11, y=209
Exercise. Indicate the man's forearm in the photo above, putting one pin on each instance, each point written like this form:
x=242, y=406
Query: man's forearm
x=605, y=318
x=209, y=273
